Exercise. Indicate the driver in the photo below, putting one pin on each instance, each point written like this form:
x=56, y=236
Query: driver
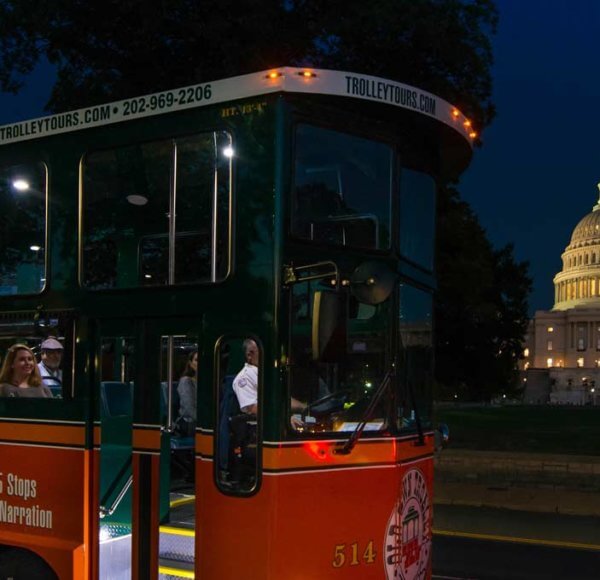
x=245, y=384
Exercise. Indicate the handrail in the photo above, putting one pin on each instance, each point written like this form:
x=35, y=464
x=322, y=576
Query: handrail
x=104, y=512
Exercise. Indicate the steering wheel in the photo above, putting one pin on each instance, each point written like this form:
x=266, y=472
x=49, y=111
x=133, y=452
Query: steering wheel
x=337, y=403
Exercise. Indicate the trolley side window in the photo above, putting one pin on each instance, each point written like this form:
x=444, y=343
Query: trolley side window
x=36, y=355
x=342, y=189
x=417, y=217
x=416, y=358
x=157, y=213
x=22, y=229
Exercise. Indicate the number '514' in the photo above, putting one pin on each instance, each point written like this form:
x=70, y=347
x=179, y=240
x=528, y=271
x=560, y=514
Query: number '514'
x=351, y=555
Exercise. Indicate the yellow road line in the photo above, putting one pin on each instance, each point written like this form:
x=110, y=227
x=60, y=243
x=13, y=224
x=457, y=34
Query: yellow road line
x=168, y=571
x=553, y=543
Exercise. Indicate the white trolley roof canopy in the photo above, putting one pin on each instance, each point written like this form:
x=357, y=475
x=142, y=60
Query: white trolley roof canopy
x=285, y=79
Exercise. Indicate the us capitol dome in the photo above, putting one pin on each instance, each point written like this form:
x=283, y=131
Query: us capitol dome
x=561, y=351
x=578, y=284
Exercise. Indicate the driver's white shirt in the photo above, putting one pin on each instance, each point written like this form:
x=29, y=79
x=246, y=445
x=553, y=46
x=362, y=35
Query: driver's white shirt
x=245, y=386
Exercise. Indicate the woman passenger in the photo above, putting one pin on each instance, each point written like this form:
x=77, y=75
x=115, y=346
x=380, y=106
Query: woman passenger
x=20, y=376
x=187, y=389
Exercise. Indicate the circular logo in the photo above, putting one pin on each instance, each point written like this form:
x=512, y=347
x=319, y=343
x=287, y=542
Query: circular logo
x=407, y=543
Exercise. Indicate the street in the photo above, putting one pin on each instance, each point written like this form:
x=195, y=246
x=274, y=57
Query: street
x=495, y=544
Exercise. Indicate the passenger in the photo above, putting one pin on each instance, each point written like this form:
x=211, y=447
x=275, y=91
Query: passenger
x=49, y=366
x=20, y=376
x=187, y=390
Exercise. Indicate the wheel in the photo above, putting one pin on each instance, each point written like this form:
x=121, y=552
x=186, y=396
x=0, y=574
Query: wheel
x=21, y=564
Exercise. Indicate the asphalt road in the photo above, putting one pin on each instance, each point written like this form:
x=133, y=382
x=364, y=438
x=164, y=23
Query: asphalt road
x=474, y=559
x=498, y=544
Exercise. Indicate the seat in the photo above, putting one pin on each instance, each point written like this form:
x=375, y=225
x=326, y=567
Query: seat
x=116, y=398
x=228, y=407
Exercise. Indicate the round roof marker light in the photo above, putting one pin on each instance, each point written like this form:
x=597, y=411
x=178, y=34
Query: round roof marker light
x=228, y=151
x=307, y=74
x=20, y=184
x=473, y=134
x=274, y=75
x=137, y=199
x=455, y=113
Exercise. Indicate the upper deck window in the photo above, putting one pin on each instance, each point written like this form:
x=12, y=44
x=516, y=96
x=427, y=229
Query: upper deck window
x=157, y=213
x=342, y=189
x=22, y=229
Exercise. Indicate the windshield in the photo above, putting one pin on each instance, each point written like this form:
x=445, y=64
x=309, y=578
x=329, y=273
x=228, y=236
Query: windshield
x=339, y=354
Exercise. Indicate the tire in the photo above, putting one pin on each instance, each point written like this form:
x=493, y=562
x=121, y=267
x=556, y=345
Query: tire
x=20, y=564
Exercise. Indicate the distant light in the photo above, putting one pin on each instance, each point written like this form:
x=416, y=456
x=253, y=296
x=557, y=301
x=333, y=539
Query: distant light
x=137, y=199
x=35, y=248
x=550, y=329
x=147, y=275
x=20, y=184
x=228, y=152
x=368, y=384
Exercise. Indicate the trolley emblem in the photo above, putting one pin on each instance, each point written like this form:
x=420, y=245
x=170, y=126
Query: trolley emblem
x=408, y=539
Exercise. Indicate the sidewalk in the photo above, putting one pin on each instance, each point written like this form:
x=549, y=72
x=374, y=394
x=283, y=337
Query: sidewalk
x=560, y=484
x=530, y=499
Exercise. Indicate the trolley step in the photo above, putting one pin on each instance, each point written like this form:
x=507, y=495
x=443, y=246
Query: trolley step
x=174, y=570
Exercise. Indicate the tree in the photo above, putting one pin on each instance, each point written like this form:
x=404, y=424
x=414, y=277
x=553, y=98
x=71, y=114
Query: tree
x=481, y=308
x=110, y=49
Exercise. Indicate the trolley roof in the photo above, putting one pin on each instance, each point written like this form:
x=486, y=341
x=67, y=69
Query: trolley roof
x=284, y=79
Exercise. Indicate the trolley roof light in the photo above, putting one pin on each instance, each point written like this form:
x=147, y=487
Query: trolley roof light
x=274, y=75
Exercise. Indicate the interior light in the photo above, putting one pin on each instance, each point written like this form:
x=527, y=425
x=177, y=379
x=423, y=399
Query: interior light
x=137, y=199
x=35, y=248
x=228, y=151
x=20, y=184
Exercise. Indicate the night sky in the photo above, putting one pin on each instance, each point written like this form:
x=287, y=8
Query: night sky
x=535, y=176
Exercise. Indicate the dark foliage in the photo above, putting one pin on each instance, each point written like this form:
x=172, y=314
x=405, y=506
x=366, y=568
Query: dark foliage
x=481, y=308
x=112, y=49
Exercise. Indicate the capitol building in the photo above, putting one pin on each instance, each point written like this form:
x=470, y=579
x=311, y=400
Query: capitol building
x=561, y=363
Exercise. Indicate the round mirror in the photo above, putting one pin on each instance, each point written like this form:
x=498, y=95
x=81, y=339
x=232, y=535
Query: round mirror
x=372, y=282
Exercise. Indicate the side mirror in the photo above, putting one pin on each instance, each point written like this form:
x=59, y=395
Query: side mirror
x=328, y=326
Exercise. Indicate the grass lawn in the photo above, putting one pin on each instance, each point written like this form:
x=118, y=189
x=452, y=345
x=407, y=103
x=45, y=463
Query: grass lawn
x=536, y=429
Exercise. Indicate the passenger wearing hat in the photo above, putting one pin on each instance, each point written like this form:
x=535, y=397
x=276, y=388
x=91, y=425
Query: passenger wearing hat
x=49, y=366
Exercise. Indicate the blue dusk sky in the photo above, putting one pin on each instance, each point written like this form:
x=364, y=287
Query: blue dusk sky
x=535, y=176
